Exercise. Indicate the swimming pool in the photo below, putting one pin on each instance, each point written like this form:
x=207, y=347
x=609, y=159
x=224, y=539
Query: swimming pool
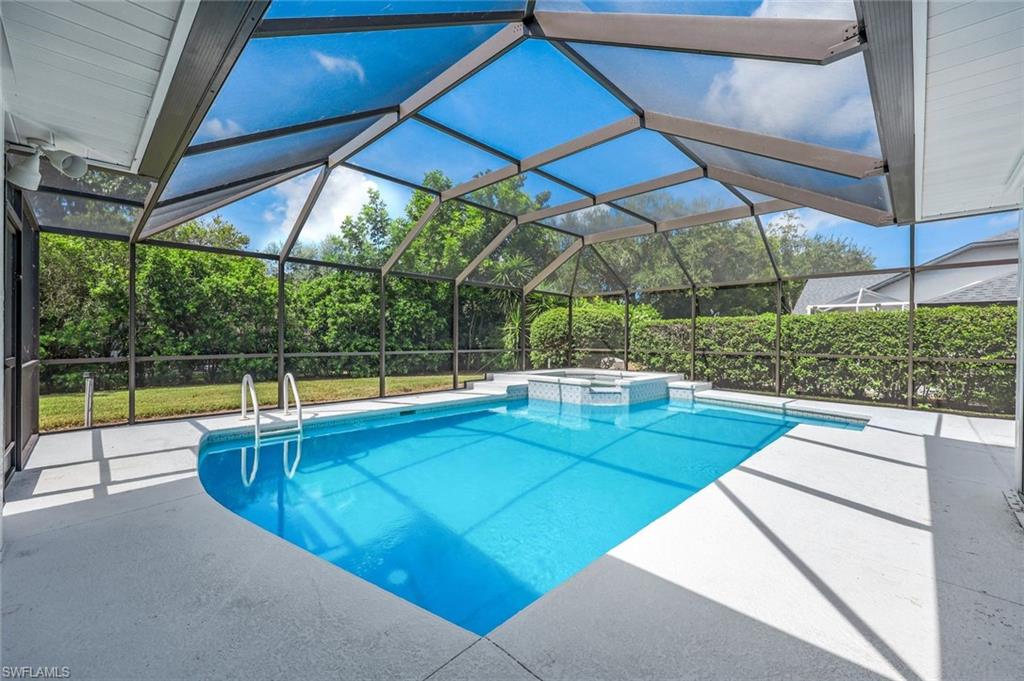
x=473, y=513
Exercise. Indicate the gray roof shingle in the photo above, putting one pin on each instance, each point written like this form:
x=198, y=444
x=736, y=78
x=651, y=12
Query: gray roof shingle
x=829, y=289
x=999, y=289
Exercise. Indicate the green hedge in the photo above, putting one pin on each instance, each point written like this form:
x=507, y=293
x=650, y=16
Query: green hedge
x=597, y=325
x=964, y=333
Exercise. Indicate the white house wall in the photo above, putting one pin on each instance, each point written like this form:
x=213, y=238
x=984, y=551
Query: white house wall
x=933, y=283
x=971, y=133
x=87, y=76
x=1006, y=251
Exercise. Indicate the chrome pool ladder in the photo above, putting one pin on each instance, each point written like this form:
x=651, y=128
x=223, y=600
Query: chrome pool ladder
x=289, y=462
x=249, y=393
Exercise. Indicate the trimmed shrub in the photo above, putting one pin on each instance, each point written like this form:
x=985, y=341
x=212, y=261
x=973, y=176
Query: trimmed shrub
x=597, y=324
x=961, y=333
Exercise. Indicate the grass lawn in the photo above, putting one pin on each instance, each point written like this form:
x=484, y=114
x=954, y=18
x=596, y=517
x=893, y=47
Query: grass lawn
x=66, y=410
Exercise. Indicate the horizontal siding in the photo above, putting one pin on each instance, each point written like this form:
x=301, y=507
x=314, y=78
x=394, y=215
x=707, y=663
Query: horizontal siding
x=165, y=8
x=143, y=18
x=974, y=106
x=77, y=17
x=23, y=54
x=41, y=40
x=86, y=71
x=52, y=30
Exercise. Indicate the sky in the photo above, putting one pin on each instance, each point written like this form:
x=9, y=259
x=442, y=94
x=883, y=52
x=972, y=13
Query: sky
x=330, y=75
x=891, y=245
x=285, y=81
x=267, y=217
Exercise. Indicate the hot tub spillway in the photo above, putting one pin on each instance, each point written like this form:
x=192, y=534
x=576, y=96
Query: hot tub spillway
x=596, y=387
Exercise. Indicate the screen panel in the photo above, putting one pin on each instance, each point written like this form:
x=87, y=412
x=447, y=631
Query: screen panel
x=523, y=193
x=177, y=388
x=659, y=333
x=213, y=169
x=197, y=303
x=521, y=257
x=62, y=395
x=594, y=276
x=418, y=153
x=359, y=219
x=278, y=82
x=548, y=331
x=592, y=220
x=599, y=332
x=561, y=280
x=723, y=252
x=846, y=338
x=488, y=318
x=83, y=297
x=99, y=181
x=682, y=200
x=419, y=314
x=259, y=222
x=643, y=262
x=81, y=214
x=828, y=105
x=170, y=214
x=637, y=157
x=552, y=101
x=455, y=234
x=284, y=9
x=870, y=191
x=330, y=310
x=965, y=339
x=332, y=332
x=807, y=241
x=419, y=339
x=735, y=340
x=822, y=9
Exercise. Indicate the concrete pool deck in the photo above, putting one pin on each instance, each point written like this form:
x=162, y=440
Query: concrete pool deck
x=883, y=553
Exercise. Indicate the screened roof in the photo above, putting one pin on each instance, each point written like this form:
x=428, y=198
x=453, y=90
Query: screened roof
x=568, y=146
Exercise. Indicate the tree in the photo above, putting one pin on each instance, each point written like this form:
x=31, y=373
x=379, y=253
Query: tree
x=83, y=297
x=192, y=302
x=799, y=253
x=365, y=239
x=214, y=231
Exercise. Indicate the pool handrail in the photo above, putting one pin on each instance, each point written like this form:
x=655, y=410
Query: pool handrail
x=251, y=393
x=290, y=468
x=249, y=476
x=289, y=381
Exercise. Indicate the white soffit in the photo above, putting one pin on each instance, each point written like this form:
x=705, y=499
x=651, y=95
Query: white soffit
x=969, y=106
x=90, y=76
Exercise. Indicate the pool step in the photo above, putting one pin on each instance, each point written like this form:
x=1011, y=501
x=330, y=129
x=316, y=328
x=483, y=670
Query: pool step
x=280, y=435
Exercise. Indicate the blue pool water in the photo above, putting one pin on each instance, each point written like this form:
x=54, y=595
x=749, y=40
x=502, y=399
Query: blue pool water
x=474, y=513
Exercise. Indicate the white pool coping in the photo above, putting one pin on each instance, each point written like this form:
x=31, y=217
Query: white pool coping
x=882, y=553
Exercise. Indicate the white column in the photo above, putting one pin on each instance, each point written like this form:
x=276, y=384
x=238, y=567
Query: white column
x=1018, y=468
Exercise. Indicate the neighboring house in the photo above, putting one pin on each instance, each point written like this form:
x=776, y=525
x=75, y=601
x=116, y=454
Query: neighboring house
x=980, y=285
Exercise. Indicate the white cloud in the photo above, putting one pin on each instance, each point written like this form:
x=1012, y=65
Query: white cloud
x=796, y=101
x=219, y=129
x=814, y=220
x=806, y=9
x=1004, y=221
x=343, y=195
x=340, y=65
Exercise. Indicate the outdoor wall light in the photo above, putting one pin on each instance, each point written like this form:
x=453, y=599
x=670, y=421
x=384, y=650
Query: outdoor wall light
x=25, y=174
